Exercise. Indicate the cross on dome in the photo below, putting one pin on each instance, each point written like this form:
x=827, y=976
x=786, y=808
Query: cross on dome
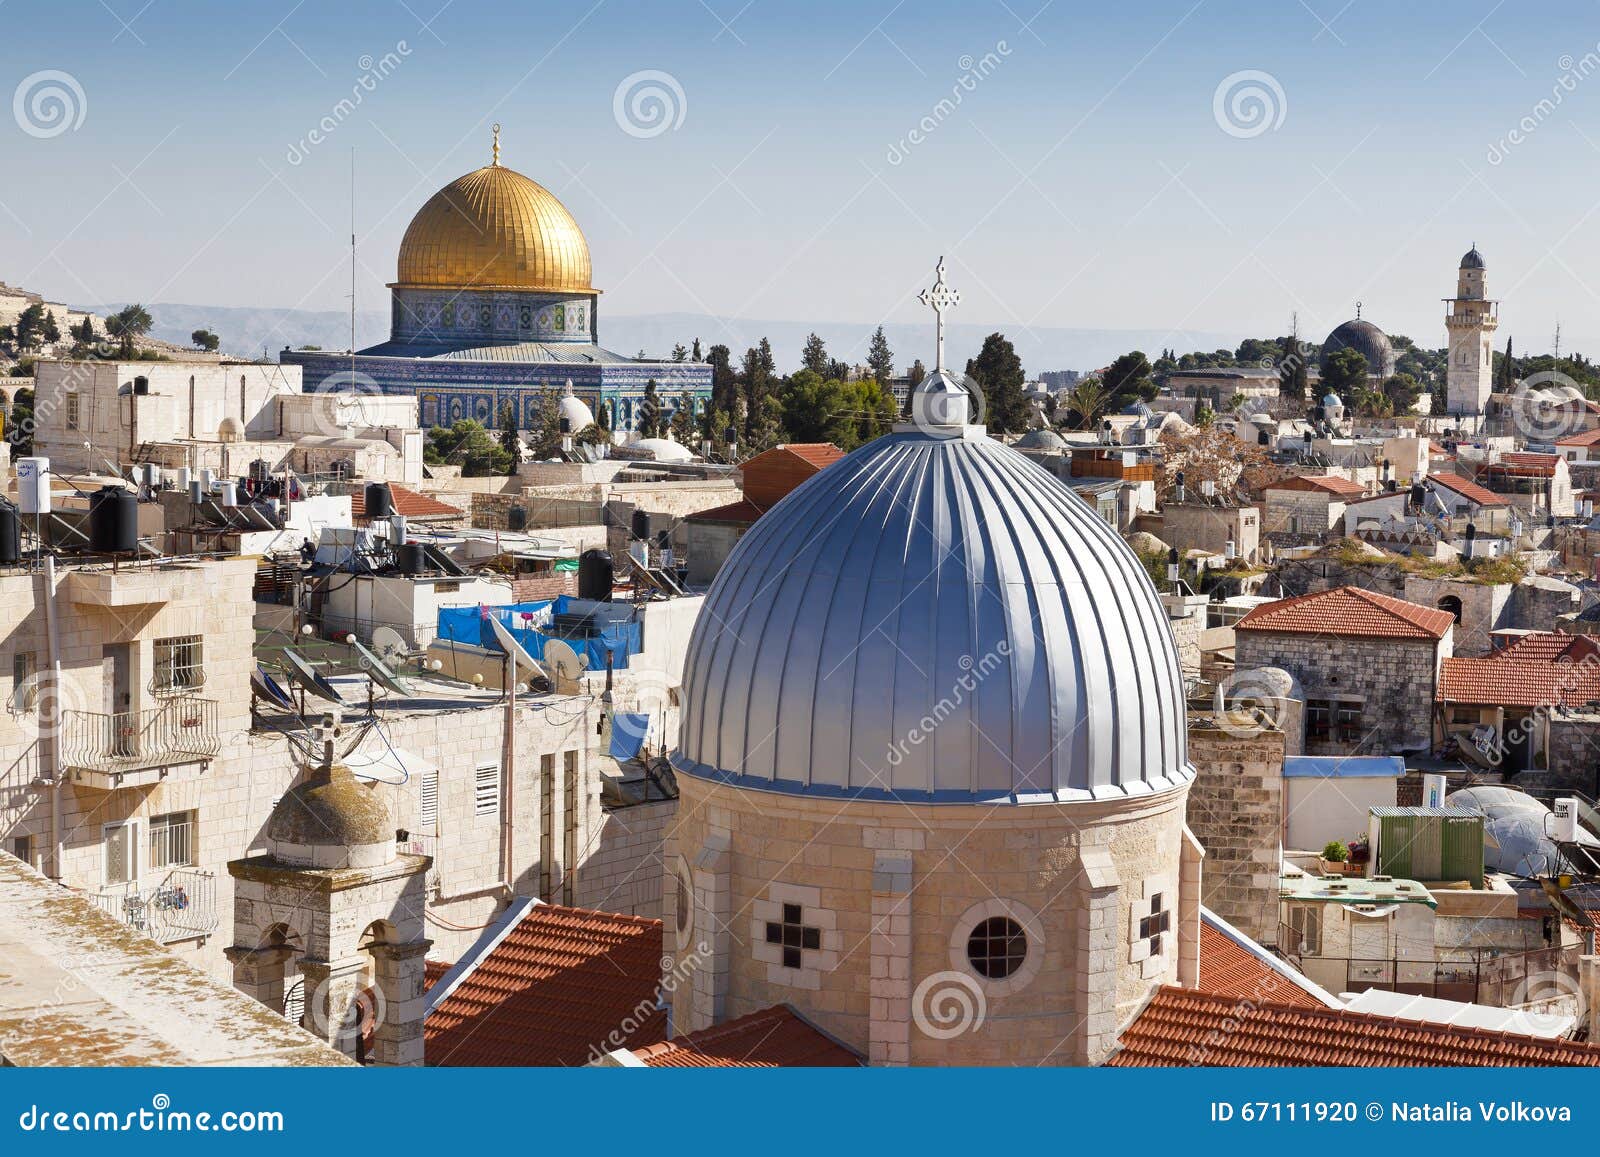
x=939, y=297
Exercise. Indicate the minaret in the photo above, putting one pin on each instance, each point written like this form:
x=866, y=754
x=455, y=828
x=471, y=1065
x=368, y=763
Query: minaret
x=1470, y=325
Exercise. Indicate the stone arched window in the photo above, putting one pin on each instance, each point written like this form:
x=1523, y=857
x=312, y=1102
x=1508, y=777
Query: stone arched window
x=1452, y=604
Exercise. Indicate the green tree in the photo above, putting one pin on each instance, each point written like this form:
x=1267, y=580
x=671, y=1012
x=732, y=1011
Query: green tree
x=469, y=445
x=815, y=356
x=694, y=354
x=129, y=324
x=763, y=413
x=818, y=409
x=880, y=358
x=1086, y=403
x=29, y=327
x=916, y=373
x=649, y=424
x=50, y=330
x=1505, y=378
x=510, y=438
x=1402, y=391
x=724, y=387
x=206, y=340
x=1129, y=379
x=679, y=353
x=998, y=372
x=875, y=411
x=1292, y=370
x=1345, y=375
x=544, y=440
x=683, y=424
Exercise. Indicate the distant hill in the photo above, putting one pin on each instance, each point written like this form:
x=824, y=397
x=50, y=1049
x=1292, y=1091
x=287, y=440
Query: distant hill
x=246, y=331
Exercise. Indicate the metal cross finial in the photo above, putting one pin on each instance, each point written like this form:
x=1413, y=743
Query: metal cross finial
x=496, y=143
x=1358, y=311
x=939, y=298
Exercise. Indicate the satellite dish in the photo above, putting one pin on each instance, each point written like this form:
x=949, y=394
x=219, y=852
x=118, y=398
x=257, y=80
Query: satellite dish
x=508, y=644
x=302, y=673
x=563, y=660
x=389, y=644
x=266, y=687
x=378, y=671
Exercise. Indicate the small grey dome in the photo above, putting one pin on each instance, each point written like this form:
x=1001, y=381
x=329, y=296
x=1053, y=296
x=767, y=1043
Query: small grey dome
x=331, y=820
x=1472, y=259
x=934, y=619
x=1367, y=340
x=1041, y=440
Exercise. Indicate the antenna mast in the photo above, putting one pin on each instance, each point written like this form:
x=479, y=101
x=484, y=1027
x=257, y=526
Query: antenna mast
x=352, y=267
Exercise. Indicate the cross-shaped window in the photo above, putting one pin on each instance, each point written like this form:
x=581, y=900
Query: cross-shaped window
x=793, y=934
x=1152, y=927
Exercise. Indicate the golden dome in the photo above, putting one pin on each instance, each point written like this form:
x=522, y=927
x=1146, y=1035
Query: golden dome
x=495, y=229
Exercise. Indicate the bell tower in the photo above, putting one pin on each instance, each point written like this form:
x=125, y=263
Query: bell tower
x=1470, y=324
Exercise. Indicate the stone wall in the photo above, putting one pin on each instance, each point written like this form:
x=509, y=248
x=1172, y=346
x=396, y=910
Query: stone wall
x=622, y=871
x=1393, y=680
x=1236, y=812
x=1573, y=741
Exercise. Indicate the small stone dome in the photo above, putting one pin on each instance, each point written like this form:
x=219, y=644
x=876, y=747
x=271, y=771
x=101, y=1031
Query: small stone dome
x=331, y=820
x=1472, y=259
x=230, y=430
x=1367, y=340
x=662, y=449
x=1041, y=440
x=574, y=411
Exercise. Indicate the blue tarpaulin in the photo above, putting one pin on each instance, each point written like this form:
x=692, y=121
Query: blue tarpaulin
x=627, y=735
x=471, y=625
x=1342, y=766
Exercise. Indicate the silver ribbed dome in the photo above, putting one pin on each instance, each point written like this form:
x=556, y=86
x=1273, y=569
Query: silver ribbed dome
x=934, y=619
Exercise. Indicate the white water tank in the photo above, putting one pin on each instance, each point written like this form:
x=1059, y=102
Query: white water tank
x=33, y=485
x=1564, y=821
x=230, y=493
x=1433, y=790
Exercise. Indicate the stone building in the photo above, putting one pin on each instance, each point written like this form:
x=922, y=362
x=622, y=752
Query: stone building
x=1236, y=811
x=1368, y=665
x=1470, y=325
x=865, y=833
x=1308, y=505
x=1211, y=527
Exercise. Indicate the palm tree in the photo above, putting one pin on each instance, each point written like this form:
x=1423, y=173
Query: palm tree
x=127, y=324
x=1086, y=401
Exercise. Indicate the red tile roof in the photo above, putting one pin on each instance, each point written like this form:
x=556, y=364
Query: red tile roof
x=1549, y=646
x=407, y=502
x=1586, y=438
x=1324, y=483
x=1468, y=489
x=561, y=985
x=432, y=970
x=1519, y=682
x=1524, y=464
x=1227, y=968
x=775, y=1037
x=1348, y=611
x=743, y=511
x=1181, y=1028
x=818, y=454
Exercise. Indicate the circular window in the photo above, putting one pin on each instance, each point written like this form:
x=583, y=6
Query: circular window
x=997, y=947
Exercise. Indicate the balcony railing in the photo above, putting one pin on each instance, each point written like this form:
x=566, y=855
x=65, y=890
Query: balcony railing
x=181, y=906
x=182, y=730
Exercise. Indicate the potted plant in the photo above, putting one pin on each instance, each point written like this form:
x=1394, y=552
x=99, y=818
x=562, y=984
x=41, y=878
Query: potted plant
x=1335, y=858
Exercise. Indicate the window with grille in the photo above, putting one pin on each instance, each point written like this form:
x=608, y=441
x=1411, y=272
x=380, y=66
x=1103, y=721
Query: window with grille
x=179, y=664
x=997, y=947
x=428, y=805
x=1156, y=925
x=486, y=790
x=121, y=853
x=24, y=685
x=172, y=840
x=569, y=791
x=72, y=411
x=1319, y=720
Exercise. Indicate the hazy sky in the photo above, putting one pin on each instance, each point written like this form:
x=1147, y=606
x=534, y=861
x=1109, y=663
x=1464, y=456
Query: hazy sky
x=1090, y=178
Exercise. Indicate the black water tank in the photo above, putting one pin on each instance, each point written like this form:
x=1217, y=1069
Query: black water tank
x=113, y=521
x=641, y=525
x=10, y=534
x=141, y=386
x=517, y=518
x=379, y=503
x=409, y=557
x=595, y=576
